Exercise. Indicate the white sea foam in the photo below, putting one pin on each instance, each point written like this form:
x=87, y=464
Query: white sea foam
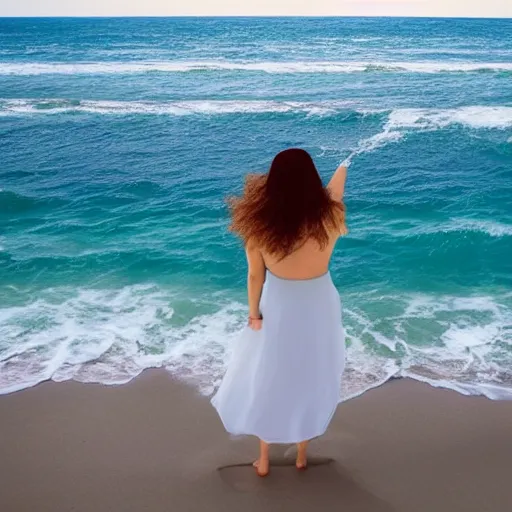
x=404, y=120
x=399, y=120
x=456, y=224
x=279, y=67
x=425, y=306
x=492, y=391
x=373, y=143
x=173, y=108
x=491, y=228
x=110, y=336
x=471, y=116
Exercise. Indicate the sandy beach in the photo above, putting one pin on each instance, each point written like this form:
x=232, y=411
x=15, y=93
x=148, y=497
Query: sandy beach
x=155, y=444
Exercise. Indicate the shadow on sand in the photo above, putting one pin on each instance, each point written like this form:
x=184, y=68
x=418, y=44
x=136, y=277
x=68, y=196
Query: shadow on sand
x=324, y=484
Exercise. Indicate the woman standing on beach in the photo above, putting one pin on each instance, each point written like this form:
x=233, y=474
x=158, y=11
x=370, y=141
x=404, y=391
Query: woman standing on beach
x=283, y=382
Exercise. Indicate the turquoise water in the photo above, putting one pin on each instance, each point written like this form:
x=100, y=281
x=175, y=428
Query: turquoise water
x=121, y=137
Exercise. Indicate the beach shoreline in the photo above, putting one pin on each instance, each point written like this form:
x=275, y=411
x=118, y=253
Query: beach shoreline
x=157, y=444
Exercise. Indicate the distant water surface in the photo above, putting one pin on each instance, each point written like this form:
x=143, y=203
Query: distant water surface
x=120, y=139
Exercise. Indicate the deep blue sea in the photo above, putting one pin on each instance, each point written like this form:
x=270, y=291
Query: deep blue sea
x=120, y=138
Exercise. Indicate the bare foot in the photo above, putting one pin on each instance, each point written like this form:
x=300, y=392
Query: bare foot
x=262, y=467
x=301, y=462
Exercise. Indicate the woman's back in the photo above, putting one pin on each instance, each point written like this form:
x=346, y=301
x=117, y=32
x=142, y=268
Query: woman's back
x=309, y=260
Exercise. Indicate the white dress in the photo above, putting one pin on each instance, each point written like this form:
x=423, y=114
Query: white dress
x=283, y=382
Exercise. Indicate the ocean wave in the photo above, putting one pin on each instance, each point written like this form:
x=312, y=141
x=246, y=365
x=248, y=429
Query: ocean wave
x=488, y=227
x=421, y=228
x=470, y=116
x=397, y=120
x=273, y=67
x=110, y=336
x=173, y=108
x=373, y=143
x=404, y=120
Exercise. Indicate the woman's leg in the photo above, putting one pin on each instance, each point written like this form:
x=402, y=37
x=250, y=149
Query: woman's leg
x=302, y=458
x=262, y=464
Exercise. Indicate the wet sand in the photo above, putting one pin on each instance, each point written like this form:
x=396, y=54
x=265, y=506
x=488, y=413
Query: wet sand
x=156, y=445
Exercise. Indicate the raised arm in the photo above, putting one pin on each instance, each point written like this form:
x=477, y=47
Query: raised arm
x=337, y=184
x=255, y=280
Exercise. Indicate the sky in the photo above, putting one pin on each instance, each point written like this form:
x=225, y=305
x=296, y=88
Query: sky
x=458, y=8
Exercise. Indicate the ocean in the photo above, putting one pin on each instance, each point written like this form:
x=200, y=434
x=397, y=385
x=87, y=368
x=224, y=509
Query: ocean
x=121, y=137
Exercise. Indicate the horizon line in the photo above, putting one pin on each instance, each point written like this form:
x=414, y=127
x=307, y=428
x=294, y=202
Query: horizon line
x=227, y=16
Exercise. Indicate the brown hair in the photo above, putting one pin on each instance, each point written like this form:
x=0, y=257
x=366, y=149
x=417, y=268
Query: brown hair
x=286, y=206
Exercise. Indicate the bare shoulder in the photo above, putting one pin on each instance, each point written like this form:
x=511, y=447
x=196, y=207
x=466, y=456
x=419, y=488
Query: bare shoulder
x=254, y=258
x=252, y=246
x=253, y=250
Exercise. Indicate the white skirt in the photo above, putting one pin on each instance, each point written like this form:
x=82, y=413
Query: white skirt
x=283, y=382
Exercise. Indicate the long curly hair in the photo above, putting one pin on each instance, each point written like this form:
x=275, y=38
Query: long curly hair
x=281, y=210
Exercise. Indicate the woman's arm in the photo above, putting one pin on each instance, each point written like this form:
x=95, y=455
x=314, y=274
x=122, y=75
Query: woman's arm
x=255, y=280
x=337, y=184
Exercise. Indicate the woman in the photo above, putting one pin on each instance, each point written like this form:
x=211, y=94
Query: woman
x=282, y=384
